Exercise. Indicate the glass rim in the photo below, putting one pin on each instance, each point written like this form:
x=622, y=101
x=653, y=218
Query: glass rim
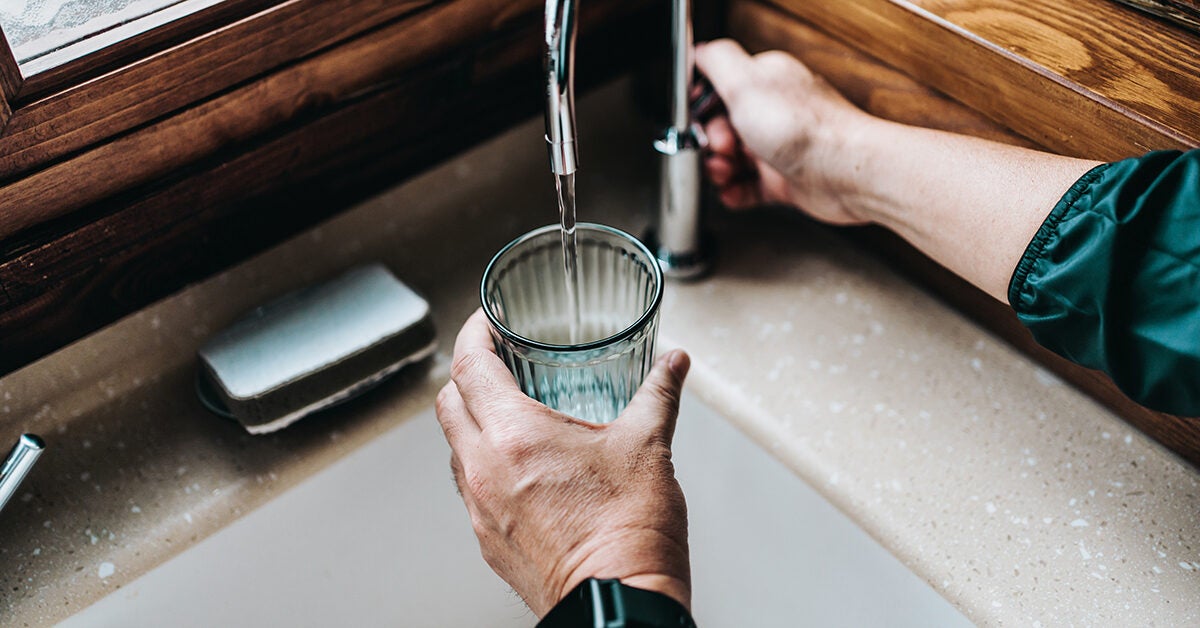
x=650, y=311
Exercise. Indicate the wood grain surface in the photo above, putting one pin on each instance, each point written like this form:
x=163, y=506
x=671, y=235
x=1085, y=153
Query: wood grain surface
x=64, y=123
x=242, y=113
x=10, y=81
x=162, y=36
x=123, y=253
x=1185, y=13
x=887, y=93
x=1078, y=105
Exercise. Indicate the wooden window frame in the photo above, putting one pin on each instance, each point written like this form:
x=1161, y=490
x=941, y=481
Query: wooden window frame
x=54, y=147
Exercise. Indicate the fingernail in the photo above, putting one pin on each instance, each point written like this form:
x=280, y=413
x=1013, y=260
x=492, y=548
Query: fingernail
x=679, y=363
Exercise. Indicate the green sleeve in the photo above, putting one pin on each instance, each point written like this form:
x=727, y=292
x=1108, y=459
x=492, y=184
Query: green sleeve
x=1111, y=281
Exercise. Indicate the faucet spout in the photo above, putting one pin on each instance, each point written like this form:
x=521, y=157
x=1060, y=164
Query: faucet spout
x=561, y=29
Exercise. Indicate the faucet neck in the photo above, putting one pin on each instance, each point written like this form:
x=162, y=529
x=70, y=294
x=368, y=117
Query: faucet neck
x=561, y=30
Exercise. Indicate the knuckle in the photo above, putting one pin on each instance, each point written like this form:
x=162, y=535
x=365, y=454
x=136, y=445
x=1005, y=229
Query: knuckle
x=442, y=403
x=666, y=395
x=466, y=363
x=511, y=442
x=474, y=483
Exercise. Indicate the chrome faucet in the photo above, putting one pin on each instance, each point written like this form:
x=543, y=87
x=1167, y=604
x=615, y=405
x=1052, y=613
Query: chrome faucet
x=679, y=242
x=678, y=239
x=560, y=85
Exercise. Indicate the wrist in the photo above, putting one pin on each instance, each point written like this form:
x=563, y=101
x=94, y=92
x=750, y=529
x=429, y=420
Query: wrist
x=847, y=160
x=670, y=586
x=652, y=562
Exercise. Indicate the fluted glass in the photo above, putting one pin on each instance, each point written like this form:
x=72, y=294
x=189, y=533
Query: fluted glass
x=620, y=289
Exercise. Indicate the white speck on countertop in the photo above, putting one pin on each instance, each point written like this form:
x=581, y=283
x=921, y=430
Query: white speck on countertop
x=135, y=510
x=106, y=569
x=1079, y=523
x=1045, y=378
x=1186, y=566
x=977, y=364
x=1105, y=435
x=991, y=508
x=37, y=551
x=840, y=298
x=1128, y=439
x=1083, y=552
x=187, y=516
x=836, y=406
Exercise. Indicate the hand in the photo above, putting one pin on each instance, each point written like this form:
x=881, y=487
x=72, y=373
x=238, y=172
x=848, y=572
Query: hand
x=779, y=141
x=554, y=500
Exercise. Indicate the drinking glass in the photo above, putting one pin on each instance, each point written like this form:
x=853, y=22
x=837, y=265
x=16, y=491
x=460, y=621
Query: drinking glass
x=620, y=288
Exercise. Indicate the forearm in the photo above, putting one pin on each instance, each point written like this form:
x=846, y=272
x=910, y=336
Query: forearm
x=972, y=205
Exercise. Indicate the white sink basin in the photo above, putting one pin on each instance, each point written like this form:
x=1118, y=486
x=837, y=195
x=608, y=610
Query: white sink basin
x=381, y=539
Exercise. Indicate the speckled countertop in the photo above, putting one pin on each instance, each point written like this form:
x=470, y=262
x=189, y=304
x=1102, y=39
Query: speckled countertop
x=1016, y=497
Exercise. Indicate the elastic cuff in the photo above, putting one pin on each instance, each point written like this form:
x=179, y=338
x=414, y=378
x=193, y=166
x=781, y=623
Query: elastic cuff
x=1047, y=232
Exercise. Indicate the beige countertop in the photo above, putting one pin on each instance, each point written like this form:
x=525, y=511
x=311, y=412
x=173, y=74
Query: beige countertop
x=1016, y=497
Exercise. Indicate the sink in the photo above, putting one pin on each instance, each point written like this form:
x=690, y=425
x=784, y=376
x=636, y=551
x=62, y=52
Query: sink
x=381, y=539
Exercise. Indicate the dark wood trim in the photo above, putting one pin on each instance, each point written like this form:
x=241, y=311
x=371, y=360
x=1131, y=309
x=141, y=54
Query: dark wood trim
x=1057, y=85
x=10, y=81
x=1185, y=13
x=890, y=94
x=143, y=244
x=240, y=113
x=156, y=38
x=61, y=125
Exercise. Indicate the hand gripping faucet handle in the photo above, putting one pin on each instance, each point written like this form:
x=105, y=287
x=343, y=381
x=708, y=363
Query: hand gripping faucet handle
x=706, y=104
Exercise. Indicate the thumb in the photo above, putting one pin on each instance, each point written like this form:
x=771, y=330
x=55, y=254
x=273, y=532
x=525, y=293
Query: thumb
x=655, y=406
x=724, y=62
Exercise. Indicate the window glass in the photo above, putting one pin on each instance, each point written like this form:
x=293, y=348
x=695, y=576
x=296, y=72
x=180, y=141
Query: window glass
x=46, y=33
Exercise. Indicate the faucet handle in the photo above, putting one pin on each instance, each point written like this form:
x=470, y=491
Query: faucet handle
x=705, y=103
x=20, y=460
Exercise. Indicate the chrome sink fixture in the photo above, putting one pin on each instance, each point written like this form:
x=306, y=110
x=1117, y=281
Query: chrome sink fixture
x=677, y=241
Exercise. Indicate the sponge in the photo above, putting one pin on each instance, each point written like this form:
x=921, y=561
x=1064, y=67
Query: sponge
x=314, y=348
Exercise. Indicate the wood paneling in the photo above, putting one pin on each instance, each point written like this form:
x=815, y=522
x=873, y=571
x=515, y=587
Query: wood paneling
x=56, y=126
x=887, y=93
x=868, y=83
x=1186, y=13
x=147, y=242
x=1078, y=113
x=10, y=80
x=241, y=113
x=161, y=36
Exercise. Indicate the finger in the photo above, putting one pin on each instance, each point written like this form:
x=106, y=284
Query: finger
x=456, y=473
x=459, y=475
x=458, y=425
x=720, y=170
x=481, y=377
x=655, y=406
x=743, y=195
x=725, y=63
x=721, y=137
x=474, y=335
